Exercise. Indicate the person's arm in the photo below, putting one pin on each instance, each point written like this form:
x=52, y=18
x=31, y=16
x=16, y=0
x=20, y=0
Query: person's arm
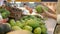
x=50, y=14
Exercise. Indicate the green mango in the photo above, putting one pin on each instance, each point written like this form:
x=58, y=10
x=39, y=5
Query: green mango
x=29, y=28
x=18, y=23
x=5, y=13
x=37, y=30
x=43, y=29
x=16, y=28
x=39, y=9
x=12, y=22
x=32, y=23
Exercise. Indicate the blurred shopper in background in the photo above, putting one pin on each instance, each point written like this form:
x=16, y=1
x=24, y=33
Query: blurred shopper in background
x=1, y=2
x=28, y=8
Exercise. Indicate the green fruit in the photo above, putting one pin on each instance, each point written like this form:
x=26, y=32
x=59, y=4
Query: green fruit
x=28, y=28
x=12, y=22
x=8, y=13
x=23, y=21
x=33, y=23
x=18, y=23
x=25, y=17
x=39, y=9
x=43, y=26
x=2, y=10
x=4, y=15
x=16, y=28
x=37, y=30
x=43, y=29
